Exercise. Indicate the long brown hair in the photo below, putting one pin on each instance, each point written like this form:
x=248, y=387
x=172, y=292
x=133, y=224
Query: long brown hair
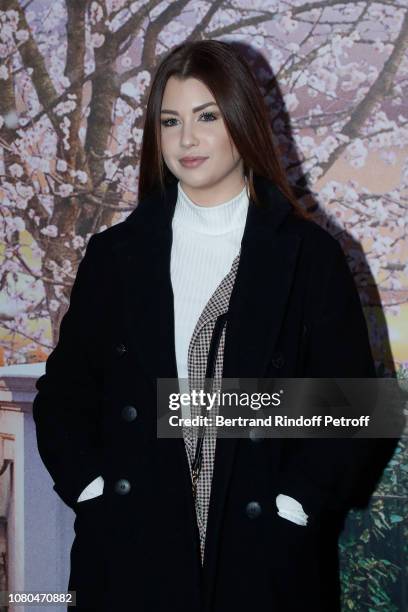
x=228, y=76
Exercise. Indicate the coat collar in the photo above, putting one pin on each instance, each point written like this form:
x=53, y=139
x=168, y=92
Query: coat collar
x=155, y=212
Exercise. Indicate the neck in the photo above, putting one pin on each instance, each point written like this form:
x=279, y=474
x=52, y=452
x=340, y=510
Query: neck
x=214, y=195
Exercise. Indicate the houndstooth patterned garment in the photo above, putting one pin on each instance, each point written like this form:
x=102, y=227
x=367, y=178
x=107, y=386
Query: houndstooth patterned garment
x=197, y=364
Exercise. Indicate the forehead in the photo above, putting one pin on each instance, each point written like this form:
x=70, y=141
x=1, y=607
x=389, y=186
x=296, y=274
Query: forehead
x=186, y=92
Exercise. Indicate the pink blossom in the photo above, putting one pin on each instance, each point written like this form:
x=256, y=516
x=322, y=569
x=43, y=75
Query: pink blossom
x=16, y=170
x=24, y=191
x=54, y=305
x=96, y=13
x=126, y=61
x=81, y=176
x=77, y=242
x=11, y=119
x=50, y=230
x=22, y=35
x=291, y=101
x=287, y=25
x=64, y=108
x=62, y=165
x=97, y=40
x=65, y=190
x=18, y=224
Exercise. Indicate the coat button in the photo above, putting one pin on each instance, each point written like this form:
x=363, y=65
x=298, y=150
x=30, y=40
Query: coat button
x=120, y=349
x=278, y=360
x=255, y=434
x=129, y=413
x=253, y=509
x=122, y=486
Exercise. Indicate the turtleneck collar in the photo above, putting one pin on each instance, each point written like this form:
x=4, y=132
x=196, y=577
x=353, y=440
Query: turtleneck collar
x=214, y=220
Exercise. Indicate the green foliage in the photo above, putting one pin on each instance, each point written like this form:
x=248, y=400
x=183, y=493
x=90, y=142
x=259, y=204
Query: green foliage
x=374, y=544
x=366, y=572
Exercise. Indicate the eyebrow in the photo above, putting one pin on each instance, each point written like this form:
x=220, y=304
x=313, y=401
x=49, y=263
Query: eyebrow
x=195, y=110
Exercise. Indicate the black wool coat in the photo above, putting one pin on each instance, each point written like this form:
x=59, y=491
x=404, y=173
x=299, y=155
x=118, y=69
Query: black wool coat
x=294, y=311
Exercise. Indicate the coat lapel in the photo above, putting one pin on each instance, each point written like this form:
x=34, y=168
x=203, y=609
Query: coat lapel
x=143, y=263
x=261, y=289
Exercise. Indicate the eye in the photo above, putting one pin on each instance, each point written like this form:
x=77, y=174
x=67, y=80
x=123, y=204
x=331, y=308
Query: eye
x=165, y=122
x=207, y=115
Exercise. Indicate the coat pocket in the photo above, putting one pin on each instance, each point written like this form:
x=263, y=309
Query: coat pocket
x=89, y=510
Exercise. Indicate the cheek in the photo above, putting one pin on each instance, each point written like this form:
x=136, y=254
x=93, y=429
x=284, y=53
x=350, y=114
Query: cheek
x=225, y=142
x=168, y=139
x=167, y=147
x=225, y=148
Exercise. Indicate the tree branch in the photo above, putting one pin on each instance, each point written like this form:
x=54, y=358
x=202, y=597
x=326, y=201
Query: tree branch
x=75, y=70
x=377, y=91
x=32, y=58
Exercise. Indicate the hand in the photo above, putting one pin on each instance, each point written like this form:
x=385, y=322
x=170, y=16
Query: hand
x=291, y=509
x=94, y=489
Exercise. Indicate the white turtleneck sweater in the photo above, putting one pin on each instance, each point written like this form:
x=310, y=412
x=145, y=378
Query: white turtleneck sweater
x=206, y=240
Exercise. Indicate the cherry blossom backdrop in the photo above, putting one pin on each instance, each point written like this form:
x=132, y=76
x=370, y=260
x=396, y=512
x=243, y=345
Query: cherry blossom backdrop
x=74, y=79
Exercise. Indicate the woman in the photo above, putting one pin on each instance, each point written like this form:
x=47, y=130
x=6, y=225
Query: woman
x=217, y=271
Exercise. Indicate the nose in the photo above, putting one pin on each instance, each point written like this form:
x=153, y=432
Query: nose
x=188, y=135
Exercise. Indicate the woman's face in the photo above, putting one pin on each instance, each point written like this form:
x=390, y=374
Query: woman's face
x=188, y=131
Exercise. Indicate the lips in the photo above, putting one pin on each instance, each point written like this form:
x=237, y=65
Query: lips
x=187, y=159
x=192, y=162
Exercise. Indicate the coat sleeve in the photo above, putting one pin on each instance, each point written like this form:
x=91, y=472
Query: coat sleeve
x=65, y=409
x=326, y=474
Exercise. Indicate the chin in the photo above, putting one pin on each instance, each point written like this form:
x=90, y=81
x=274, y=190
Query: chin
x=198, y=182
